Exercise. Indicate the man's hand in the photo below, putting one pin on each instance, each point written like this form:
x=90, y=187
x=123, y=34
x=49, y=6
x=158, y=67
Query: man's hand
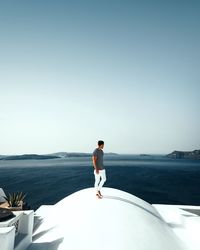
x=97, y=171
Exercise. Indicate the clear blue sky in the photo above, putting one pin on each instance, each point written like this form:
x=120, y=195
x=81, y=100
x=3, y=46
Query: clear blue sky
x=74, y=72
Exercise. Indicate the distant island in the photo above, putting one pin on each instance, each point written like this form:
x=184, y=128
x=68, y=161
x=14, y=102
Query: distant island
x=28, y=157
x=59, y=155
x=193, y=155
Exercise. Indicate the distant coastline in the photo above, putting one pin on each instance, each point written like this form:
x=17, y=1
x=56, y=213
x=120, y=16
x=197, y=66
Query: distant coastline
x=193, y=155
x=58, y=155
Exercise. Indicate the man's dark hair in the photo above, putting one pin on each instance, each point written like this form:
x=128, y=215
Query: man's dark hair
x=100, y=143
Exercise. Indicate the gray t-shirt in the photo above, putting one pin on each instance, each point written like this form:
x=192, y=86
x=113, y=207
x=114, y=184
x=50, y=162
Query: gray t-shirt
x=99, y=154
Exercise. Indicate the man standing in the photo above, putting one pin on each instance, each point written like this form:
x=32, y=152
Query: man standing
x=99, y=171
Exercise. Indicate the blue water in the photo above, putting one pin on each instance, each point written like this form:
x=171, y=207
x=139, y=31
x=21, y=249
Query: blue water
x=155, y=179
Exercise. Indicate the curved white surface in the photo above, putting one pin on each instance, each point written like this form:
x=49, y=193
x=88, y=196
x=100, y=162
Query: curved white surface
x=119, y=221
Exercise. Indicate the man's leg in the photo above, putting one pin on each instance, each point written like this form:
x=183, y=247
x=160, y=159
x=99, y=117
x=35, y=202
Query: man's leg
x=102, y=173
x=97, y=180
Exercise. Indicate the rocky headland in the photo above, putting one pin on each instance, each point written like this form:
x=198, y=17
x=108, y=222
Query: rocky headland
x=193, y=155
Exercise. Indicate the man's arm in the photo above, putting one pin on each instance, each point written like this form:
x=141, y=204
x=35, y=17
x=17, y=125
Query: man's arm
x=94, y=160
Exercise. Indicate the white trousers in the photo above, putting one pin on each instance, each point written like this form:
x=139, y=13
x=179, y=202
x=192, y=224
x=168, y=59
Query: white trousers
x=100, y=179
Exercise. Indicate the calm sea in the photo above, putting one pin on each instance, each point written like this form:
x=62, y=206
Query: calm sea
x=155, y=179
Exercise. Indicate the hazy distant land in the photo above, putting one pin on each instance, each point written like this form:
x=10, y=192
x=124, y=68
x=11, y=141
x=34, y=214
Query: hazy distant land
x=193, y=155
x=47, y=156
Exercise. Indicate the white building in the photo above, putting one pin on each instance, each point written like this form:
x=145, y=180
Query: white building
x=118, y=221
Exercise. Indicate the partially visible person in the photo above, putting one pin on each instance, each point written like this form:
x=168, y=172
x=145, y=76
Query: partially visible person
x=99, y=170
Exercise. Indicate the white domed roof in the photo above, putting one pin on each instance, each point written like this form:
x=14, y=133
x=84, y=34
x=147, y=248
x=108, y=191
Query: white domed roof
x=119, y=221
